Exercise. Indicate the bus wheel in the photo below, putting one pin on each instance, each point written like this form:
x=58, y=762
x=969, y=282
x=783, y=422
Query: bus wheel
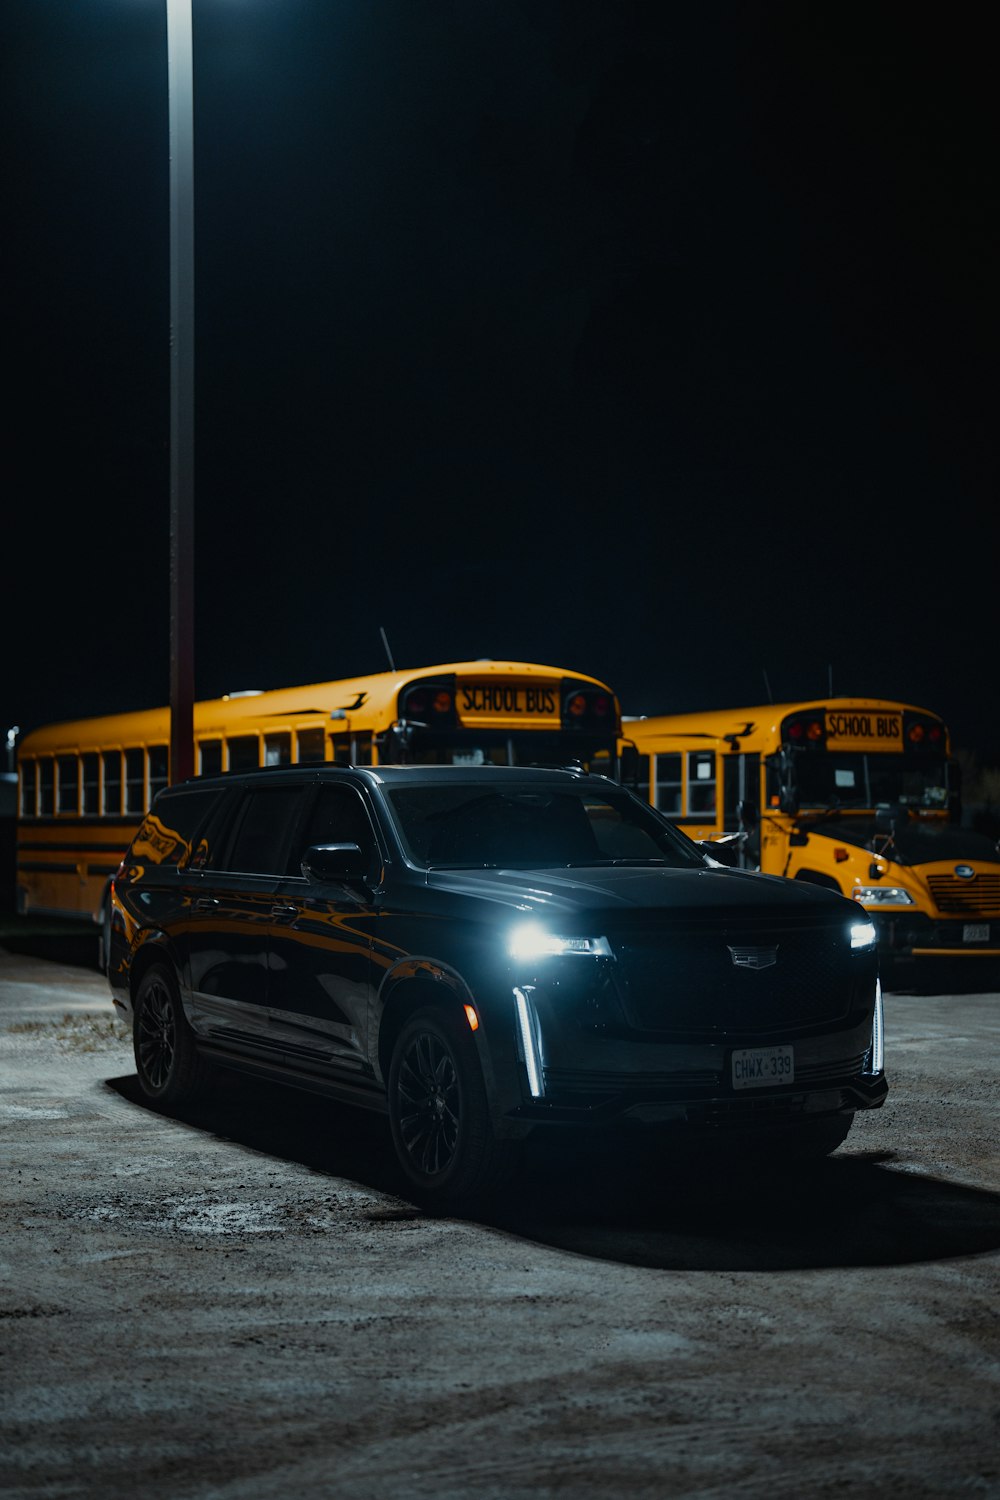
x=439, y=1115
x=167, y=1060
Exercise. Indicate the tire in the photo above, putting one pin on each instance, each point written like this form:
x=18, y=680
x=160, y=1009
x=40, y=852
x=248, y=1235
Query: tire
x=104, y=937
x=439, y=1115
x=167, y=1061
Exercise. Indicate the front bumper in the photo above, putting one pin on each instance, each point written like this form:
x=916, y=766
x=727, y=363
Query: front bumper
x=707, y=1107
x=902, y=934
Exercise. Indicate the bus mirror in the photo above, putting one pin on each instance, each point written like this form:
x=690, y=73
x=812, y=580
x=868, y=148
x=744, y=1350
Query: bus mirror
x=628, y=766
x=884, y=820
x=789, y=802
x=747, y=814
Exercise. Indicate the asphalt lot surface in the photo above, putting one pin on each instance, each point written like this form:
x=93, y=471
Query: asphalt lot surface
x=240, y=1301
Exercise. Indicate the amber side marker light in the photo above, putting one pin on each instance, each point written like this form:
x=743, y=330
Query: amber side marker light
x=471, y=1017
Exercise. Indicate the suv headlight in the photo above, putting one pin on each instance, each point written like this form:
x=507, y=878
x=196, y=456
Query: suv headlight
x=863, y=935
x=882, y=895
x=531, y=940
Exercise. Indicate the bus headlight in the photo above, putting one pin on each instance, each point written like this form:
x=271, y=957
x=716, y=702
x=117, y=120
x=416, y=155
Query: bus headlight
x=531, y=940
x=863, y=935
x=882, y=895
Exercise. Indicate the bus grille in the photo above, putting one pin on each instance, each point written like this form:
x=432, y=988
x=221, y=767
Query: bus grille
x=966, y=898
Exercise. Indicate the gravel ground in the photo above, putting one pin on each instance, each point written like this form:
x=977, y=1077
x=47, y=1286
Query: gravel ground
x=241, y=1302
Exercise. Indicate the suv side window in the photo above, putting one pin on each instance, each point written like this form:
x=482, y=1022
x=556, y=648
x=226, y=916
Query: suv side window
x=338, y=816
x=264, y=827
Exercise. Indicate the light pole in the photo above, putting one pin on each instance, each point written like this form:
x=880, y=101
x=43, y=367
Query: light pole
x=180, y=91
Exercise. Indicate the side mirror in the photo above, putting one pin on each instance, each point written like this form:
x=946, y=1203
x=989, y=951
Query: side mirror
x=747, y=814
x=628, y=766
x=723, y=853
x=789, y=802
x=339, y=863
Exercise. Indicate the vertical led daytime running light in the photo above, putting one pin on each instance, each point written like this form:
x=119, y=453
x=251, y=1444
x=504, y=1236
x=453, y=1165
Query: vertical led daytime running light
x=878, y=1032
x=524, y=1020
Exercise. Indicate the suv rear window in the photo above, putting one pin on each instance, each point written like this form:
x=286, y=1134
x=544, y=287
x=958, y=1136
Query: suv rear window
x=166, y=834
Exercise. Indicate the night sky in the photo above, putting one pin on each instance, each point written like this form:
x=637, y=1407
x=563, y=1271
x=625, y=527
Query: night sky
x=651, y=341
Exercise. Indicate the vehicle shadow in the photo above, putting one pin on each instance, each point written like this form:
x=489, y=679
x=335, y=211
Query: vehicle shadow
x=944, y=976
x=635, y=1202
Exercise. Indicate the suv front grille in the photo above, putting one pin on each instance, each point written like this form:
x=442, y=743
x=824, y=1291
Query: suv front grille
x=687, y=980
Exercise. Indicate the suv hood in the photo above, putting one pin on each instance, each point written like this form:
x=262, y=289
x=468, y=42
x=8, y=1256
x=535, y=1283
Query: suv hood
x=628, y=888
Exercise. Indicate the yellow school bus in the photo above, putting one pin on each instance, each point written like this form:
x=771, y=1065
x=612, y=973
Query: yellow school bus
x=857, y=794
x=84, y=786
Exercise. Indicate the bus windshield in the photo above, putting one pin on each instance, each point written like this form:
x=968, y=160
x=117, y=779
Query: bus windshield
x=843, y=779
x=497, y=747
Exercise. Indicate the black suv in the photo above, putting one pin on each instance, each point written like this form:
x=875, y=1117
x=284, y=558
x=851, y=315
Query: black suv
x=481, y=952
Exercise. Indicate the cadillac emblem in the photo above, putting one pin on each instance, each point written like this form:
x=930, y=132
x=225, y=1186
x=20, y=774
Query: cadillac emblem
x=753, y=958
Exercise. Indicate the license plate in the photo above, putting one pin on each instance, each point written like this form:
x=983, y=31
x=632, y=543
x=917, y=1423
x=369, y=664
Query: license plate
x=757, y=1067
x=976, y=932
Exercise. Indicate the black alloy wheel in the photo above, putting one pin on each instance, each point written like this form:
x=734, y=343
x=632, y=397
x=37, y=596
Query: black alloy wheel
x=166, y=1058
x=429, y=1104
x=439, y=1115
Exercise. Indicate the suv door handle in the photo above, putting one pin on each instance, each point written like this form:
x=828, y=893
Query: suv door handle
x=284, y=911
x=206, y=903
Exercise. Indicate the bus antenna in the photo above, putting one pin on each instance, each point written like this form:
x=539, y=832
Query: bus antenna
x=385, y=642
x=770, y=695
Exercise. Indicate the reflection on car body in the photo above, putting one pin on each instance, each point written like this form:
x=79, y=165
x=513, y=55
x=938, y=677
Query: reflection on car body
x=483, y=953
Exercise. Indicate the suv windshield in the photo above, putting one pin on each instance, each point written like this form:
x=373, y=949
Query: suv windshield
x=471, y=826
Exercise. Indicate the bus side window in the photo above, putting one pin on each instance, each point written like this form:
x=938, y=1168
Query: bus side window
x=112, y=765
x=159, y=760
x=210, y=757
x=29, y=784
x=277, y=749
x=135, y=780
x=309, y=744
x=46, y=786
x=701, y=782
x=68, y=784
x=244, y=752
x=341, y=751
x=668, y=785
x=91, y=783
